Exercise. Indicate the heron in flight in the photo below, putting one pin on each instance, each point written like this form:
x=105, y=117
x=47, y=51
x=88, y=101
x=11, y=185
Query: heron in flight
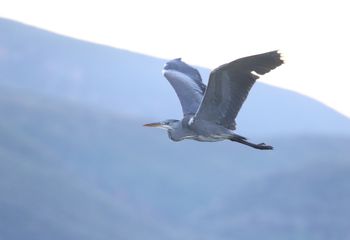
x=209, y=112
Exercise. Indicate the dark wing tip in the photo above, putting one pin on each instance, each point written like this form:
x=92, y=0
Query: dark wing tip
x=260, y=64
x=266, y=62
x=278, y=57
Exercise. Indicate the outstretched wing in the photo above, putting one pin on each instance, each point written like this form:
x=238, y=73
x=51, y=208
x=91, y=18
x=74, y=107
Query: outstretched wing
x=230, y=84
x=187, y=83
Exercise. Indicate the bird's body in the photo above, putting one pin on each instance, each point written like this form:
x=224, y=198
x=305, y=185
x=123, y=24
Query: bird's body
x=210, y=112
x=200, y=130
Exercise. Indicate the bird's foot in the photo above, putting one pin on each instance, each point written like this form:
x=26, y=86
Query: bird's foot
x=263, y=146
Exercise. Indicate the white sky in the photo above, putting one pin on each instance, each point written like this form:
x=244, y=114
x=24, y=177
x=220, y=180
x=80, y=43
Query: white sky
x=313, y=35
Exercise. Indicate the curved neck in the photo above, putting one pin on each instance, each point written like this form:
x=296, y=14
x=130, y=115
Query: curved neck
x=179, y=132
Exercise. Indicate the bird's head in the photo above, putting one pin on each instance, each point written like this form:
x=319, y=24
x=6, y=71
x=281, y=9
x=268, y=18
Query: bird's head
x=166, y=124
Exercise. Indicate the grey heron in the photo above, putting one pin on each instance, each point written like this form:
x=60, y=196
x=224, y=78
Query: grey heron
x=209, y=112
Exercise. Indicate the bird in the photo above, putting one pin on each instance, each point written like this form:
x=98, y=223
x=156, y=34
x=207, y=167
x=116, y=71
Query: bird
x=209, y=112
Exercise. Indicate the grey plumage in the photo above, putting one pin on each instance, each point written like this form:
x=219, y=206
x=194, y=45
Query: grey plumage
x=187, y=83
x=210, y=112
x=230, y=84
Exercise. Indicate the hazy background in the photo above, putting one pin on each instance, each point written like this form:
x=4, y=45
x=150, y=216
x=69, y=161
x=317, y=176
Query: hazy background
x=76, y=163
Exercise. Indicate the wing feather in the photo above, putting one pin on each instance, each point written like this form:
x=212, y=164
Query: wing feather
x=187, y=84
x=229, y=86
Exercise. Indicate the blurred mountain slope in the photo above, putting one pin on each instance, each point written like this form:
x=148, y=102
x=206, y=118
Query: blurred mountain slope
x=131, y=84
x=64, y=165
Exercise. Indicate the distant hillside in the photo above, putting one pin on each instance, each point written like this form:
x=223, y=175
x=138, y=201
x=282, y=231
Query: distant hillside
x=308, y=203
x=74, y=173
x=49, y=190
x=131, y=84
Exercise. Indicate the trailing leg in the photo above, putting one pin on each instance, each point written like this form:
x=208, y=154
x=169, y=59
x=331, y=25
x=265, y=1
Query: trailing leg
x=261, y=146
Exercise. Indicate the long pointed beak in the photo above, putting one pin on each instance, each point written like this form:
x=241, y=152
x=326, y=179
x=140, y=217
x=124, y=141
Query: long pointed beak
x=157, y=124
